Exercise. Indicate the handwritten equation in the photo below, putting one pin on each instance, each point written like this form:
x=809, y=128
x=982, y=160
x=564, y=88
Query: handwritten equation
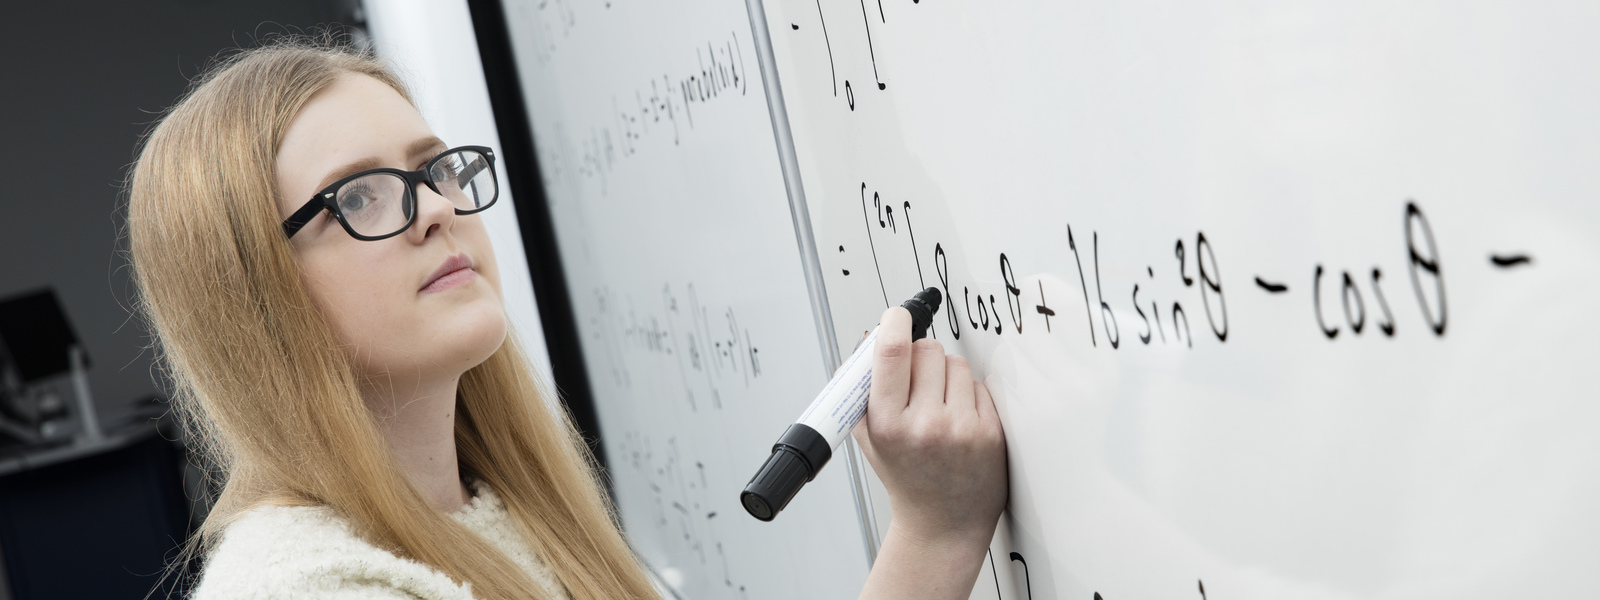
x=1338, y=300
x=680, y=509
x=662, y=107
x=1018, y=561
x=707, y=348
x=827, y=41
x=552, y=20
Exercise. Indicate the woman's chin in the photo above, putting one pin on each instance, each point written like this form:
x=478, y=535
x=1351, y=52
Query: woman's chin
x=483, y=333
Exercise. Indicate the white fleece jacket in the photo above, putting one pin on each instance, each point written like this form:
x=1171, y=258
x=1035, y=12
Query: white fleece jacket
x=279, y=552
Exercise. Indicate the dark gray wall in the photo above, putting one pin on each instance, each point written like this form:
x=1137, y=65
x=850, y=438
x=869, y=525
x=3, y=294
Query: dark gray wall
x=81, y=82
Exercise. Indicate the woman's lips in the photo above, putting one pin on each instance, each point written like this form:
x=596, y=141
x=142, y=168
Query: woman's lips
x=456, y=271
x=456, y=278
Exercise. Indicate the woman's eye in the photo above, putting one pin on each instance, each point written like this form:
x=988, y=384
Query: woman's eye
x=353, y=201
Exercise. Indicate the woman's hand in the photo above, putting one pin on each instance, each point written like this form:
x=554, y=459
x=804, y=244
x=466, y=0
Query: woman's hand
x=934, y=438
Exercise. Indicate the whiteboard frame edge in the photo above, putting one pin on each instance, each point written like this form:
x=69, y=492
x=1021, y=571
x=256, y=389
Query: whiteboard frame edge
x=821, y=312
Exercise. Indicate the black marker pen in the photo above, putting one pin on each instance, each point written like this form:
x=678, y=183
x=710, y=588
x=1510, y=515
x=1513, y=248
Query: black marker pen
x=808, y=444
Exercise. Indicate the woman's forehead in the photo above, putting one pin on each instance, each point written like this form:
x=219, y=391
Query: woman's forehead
x=356, y=119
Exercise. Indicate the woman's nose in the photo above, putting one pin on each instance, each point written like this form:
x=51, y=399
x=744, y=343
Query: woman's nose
x=434, y=212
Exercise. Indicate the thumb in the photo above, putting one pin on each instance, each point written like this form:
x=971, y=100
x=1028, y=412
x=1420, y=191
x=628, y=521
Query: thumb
x=891, y=367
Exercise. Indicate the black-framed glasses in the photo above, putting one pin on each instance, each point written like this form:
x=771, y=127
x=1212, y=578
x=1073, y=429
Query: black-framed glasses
x=381, y=203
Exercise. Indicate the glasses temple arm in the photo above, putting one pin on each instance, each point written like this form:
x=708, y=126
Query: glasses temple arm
x=300, y=217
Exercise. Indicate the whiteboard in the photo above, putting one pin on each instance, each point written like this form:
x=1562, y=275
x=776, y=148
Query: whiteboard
x=657, y=154
x=1275, y=299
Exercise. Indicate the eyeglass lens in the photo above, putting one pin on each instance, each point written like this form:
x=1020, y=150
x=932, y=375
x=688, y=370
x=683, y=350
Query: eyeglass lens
x=375, y=205
x=466, y=179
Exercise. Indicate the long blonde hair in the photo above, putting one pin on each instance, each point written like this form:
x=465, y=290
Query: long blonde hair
x=267, y=390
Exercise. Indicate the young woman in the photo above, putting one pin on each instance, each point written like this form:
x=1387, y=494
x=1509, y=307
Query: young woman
x=326, y=304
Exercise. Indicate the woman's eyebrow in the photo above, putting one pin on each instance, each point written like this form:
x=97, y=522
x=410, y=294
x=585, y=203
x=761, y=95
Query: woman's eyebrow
x=429, y=145
x=347, y=170
x=425, y=146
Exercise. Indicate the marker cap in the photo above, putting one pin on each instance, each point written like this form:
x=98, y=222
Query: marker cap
x=922, y=306
x=797, y=458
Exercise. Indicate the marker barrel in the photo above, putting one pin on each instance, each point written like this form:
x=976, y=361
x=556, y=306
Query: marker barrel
x=808, y=444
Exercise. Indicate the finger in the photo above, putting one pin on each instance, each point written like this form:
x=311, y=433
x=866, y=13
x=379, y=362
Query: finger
x=959, y=398
x=958, y=390
x=927, y=373
x=863, y=434
x=891, y=366
x=987, y=413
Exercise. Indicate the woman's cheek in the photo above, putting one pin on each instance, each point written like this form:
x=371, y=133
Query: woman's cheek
x=358, y=302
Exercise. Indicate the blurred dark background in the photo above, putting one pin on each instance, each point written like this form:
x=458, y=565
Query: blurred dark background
x=96, y=516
